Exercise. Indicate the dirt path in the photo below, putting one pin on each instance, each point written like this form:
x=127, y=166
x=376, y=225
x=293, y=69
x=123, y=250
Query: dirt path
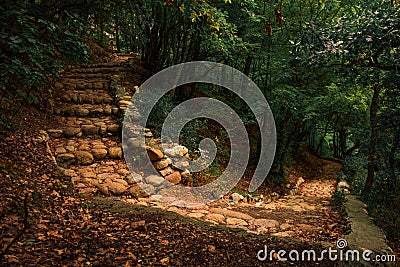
x=79, y=226
x=88, y=147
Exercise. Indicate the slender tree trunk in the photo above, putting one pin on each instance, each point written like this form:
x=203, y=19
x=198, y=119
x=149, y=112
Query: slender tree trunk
x=247, y=66
x=117, y=40
x=373, y=141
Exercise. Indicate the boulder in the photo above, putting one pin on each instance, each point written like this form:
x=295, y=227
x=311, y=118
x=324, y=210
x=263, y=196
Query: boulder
x=84, y=157
x=117, y=188
x=154, y=180
x=133, y=178
x=154, y=154
x=72, y=132
x=236, y=197
x=162, y=164
x=115, y=152
x=66, y=158
x=90, y=130
x=236, y=222
x=174, y=178
x=82, y=112
x=103, y=188
x=55, y=133
x=218, y=218
x=114, y=128
x=141, y=191
x=99, y=153
x=176, y=151
x=166, y=171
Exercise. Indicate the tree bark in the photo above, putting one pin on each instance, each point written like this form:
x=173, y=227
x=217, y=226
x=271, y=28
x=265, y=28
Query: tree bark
x=372, y=142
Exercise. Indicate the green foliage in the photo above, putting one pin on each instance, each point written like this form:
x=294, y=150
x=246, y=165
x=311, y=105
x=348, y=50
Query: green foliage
x=33, y=48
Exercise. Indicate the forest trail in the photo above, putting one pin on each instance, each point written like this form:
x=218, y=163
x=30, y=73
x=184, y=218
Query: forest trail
x=90, y=102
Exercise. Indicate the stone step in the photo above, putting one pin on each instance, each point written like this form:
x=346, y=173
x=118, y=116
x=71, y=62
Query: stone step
x=77, y=127
x=88, y=75
x=79, y=84
x=82, y=80
x=86, y=71
x=85, y=110
x=84, y=151
x=107, y=177
x=88, y=96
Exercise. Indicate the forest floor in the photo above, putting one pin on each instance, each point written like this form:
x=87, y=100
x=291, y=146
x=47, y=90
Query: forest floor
x=48, y=222
x=64, y=229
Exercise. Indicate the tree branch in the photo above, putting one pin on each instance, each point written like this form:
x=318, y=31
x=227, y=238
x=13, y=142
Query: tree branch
x=18, y=236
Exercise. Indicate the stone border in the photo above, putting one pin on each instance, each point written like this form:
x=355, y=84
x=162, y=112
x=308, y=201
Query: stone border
x=362, y=233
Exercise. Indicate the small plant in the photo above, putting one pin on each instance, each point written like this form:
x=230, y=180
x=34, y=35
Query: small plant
x=339, y=198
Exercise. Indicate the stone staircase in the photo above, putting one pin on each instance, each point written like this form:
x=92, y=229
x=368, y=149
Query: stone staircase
x=90, y=102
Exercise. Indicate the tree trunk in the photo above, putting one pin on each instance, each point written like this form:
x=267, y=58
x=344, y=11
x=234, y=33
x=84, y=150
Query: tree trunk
x=373, y=141
x=117, y=40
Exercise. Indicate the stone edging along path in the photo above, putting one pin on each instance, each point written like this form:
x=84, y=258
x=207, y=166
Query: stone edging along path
x=87, y=147
x=364, y=234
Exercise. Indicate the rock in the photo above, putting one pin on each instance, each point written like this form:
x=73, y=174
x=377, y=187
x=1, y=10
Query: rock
x=108, y=110
x=174, y=178
x=90, y=130
x=115, y=152
x=285, y=234
x=103, y=188
x=96, y=111
x=121, y=181
x=137, y=191
x=231, y=213
x=97, y=85
x=166, y=171
x=236, y=222
x=182, y=165
x=123, y=103
x=123, y=172
x=114, y=128
x=99, y=153
x=66, y=158
x=285, y=226
x=218, y=218
x=185, y=174
x=196, y=215
x=70, y=148
x=133, y=178
x=162, y=164
x=72, y=132
x=154, y=154
x=307, y=206
x=84, y=157
x=236, y=197
x=154, y=180
x=115, y=111
x=103, y=129
x=84, y=147
x=60, y=150
x=82, y=112
x=88, y=175
x=176, y=151
x=55, y=133
x=265, y=223
x=148, y=135
x=117, y=188
x=99, y=146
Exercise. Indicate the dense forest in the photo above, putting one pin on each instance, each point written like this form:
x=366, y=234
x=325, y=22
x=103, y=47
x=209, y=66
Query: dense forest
x=330, y=70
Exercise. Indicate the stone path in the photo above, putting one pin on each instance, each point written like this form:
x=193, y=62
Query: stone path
x=91, y=101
